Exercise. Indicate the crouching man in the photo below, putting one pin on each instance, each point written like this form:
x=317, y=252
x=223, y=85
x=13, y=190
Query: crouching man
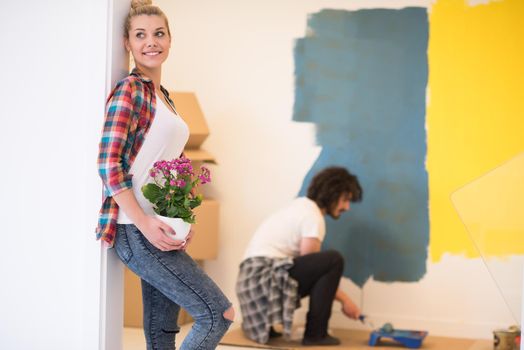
x=283, y=263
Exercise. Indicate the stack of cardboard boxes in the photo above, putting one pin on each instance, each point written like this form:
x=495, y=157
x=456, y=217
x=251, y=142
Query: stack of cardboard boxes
x=204, y=244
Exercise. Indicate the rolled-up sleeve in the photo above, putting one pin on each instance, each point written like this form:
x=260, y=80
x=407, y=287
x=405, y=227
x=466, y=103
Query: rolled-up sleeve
x=118, y=118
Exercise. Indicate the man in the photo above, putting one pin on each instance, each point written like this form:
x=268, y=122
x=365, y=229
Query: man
x=283, y=263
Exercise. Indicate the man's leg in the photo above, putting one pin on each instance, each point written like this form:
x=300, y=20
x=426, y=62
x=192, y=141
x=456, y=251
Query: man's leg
x=318, y=276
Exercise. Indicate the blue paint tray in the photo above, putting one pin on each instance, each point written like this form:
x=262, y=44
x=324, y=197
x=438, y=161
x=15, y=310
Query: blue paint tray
x=409, y=339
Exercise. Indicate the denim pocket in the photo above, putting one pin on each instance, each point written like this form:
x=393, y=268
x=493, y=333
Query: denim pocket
x=122, y=246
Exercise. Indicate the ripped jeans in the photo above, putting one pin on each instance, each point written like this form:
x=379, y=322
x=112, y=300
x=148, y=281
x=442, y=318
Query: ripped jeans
x=171, y=280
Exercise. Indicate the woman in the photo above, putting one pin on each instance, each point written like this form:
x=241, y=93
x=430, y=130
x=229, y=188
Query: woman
x=142, y=126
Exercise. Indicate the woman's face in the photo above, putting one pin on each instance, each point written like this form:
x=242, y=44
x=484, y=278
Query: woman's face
x=149, y=41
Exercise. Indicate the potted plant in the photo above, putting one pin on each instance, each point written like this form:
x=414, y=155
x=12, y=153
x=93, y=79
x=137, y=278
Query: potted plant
x=173, y=193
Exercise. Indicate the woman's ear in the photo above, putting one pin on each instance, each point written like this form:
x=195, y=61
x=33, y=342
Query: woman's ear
x=126, y=44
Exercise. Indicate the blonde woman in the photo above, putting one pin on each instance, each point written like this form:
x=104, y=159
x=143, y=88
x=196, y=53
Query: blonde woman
x=141, y=127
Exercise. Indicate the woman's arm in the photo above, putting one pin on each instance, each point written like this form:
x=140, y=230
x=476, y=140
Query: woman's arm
x=117, y=123
x=118, y=119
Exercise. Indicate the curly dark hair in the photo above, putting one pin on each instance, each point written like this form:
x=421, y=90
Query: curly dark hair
x=332, y=182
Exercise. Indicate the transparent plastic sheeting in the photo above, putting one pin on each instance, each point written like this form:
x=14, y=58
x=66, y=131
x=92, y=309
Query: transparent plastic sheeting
x=492, y=210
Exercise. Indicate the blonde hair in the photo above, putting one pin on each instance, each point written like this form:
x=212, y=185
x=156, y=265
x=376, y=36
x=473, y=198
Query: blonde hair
x=143, y=7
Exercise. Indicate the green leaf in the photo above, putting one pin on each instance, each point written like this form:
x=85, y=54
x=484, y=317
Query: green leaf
x=195, y=202
x=152, y=192
x=184, y=212
x=172, y=212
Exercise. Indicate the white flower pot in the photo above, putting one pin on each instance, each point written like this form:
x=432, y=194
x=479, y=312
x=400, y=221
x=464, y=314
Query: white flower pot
x=180, y=227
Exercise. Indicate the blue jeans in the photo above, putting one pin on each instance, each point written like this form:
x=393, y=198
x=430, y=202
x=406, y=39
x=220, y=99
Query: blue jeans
x=171, y=280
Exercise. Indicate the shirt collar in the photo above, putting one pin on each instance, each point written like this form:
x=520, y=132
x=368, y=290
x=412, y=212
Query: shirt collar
x=137, y=73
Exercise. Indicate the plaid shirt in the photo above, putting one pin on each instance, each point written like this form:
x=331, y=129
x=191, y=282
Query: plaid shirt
x=130, y=110
x=267, y=295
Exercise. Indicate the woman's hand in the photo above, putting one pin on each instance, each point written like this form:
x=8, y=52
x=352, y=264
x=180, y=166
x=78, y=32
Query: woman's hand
x=188, y=238
x=350, y=309
x=155, y=231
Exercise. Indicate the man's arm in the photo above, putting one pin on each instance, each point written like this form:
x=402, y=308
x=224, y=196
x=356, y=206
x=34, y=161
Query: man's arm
x=309, y=245
x=348, y=306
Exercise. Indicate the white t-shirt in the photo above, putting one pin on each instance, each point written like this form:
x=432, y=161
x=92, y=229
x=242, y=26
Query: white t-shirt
x=280, y=234
x=164, y=140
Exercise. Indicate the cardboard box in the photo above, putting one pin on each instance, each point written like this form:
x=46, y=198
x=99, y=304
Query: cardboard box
x=204, y=244
x=132, y=300
x=199, y=155
x=187, y=106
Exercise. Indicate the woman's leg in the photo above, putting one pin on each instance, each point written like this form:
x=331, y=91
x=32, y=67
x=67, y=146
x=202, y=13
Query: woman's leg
x=318, y=275
x=160, y=318
x=179, y=278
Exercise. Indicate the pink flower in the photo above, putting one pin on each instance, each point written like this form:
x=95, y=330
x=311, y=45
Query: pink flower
x=161, y=165
x=205, y=176
x=180, y=183
x=176, y=180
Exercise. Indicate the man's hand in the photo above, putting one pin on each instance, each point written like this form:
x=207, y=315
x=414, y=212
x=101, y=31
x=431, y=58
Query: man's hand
x=350, y=309
x=348, y=306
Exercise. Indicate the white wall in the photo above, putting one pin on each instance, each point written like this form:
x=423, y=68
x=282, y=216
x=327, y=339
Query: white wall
x=238, y=57
x=53, y=91
x=111, y=268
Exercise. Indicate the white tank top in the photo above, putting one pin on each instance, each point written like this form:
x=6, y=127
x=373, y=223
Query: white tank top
x=165, y=140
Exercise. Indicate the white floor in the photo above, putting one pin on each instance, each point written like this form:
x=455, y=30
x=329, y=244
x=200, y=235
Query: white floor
x=134, y=339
